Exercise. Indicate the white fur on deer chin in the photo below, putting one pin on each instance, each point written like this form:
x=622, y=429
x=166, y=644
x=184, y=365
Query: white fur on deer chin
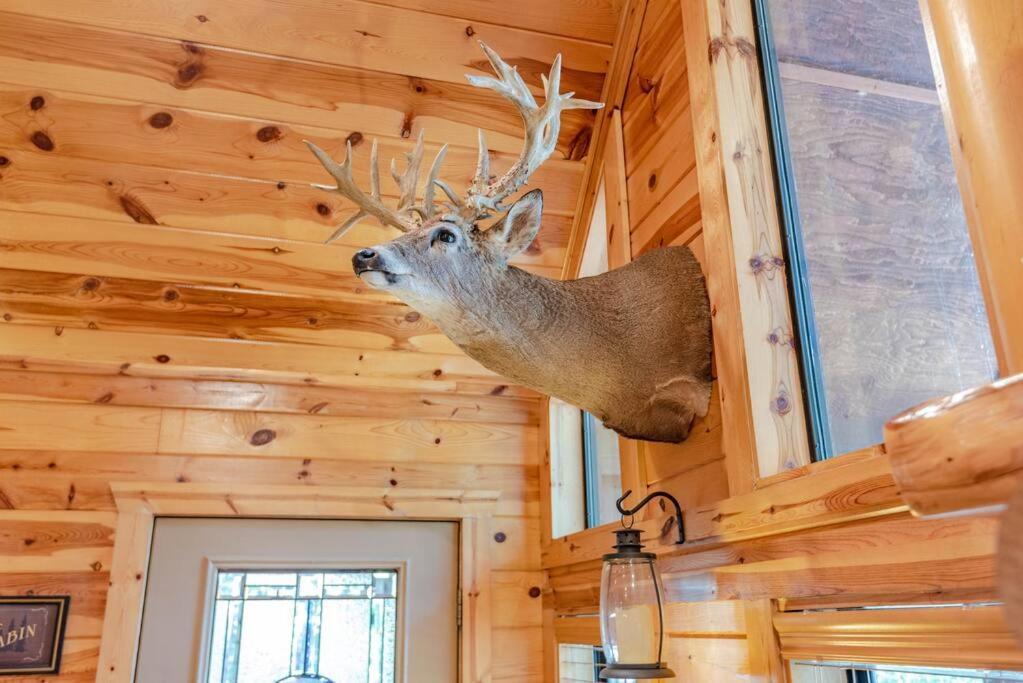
x=378, y=278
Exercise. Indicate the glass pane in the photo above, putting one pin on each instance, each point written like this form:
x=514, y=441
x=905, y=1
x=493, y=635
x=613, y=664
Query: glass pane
x=603, y=472
x=877, y=215
x=272, y=626
x=806, y=672
x=579, y=663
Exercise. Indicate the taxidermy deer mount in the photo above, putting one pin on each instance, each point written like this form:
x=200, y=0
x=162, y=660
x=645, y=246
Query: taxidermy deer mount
x=631, y=346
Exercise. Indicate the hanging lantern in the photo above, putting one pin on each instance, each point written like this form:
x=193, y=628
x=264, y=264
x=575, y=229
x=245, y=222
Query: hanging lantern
x=631, y=602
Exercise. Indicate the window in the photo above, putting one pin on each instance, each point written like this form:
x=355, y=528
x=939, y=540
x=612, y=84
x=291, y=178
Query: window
x=886, y=295
x=327, y=626
x=580, y=663
x=805, y=672
x=586, y=477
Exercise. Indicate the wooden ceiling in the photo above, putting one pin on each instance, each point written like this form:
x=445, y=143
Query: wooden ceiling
x=155, y=213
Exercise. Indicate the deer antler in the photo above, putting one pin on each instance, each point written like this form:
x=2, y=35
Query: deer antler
x=542, y=123
x=407, y=216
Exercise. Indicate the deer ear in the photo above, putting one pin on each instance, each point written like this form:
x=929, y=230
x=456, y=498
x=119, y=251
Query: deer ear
x=517, y=230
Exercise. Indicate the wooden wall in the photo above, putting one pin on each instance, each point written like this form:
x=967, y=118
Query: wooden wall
x=168, y=312
x=664, y=209
x=771, y=542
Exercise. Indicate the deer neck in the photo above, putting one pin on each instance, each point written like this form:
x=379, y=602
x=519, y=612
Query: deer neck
x=510, y=312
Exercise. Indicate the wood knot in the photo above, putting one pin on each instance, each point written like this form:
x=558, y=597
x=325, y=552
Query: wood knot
x=269, y=134
x=412, y=317
x=161, y=119
x=8, y=317
x=782, y=405
x=42, y=141
x=652, y=181
x=500, y=537
x=394, y=482
x=188, y=74
x=170, y=295
x=323, y=209
x=162, y=358
x=499, y=389
x=354, y=138
x=281, y=185
x=137, y=212
x=534, y=592
x=262, y=437
x=37, y=103
x=90, y=284
x=202, y=18
x=4, y=161
x=438, y=372
x=470, y=31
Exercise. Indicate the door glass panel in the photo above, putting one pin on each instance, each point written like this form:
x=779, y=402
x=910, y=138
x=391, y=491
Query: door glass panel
x=304, y=625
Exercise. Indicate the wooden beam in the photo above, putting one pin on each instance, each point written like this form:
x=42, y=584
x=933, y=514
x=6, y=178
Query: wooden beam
x=966, y=637
x=975, y=49
x=762, y=405
x=833, y=492
x=960, y=453
x=885, y=560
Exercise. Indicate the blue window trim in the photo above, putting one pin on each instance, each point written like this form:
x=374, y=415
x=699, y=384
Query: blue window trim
x=591, y=473
x=808, y=349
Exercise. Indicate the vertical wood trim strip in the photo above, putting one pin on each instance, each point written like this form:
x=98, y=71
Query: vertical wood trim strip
x=762, y=404
x=476, y=598
x=122, y=619
x=616, y=195
x=615, y=83
x=765, y=658
x=975, y=48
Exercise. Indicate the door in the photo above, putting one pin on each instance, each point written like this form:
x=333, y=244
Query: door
x=267, y=600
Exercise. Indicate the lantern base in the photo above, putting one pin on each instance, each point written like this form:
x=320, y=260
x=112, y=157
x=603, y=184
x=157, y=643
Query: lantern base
x=637, y=671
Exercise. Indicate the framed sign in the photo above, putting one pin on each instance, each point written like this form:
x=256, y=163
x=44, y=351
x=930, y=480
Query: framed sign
x=32, y=633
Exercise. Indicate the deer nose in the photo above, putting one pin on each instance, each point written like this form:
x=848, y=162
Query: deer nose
x=363, y=260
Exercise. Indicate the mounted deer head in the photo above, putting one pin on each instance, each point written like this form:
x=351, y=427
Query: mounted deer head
x=631, y=346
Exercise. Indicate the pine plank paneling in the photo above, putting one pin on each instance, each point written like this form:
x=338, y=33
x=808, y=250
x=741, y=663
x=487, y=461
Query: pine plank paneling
x=156, y=392
x=102, y=248
x=81, y=301
x=169, y=314
x=75, y=350
x=120, y=131
x=356, y=34
x=55, y=54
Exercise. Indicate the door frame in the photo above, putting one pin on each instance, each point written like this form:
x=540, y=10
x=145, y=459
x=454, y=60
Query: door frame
x=140, y=503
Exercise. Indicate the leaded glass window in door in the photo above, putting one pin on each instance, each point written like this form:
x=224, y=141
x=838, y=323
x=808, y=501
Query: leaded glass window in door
x=304, y=626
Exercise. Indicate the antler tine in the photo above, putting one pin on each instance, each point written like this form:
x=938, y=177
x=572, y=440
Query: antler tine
x=408, y=180
x=432, y=181
x=542, y=126
x=482, y=177
x=368, y=204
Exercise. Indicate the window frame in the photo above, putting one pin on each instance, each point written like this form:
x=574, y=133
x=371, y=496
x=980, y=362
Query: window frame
x=807, y=346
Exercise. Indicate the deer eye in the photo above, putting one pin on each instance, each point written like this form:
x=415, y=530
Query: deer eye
x=445, y=236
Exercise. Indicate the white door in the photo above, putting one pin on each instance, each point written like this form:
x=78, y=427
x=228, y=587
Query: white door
x=267, y=600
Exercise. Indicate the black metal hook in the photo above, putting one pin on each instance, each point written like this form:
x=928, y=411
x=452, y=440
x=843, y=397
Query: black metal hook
x=679, y=522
